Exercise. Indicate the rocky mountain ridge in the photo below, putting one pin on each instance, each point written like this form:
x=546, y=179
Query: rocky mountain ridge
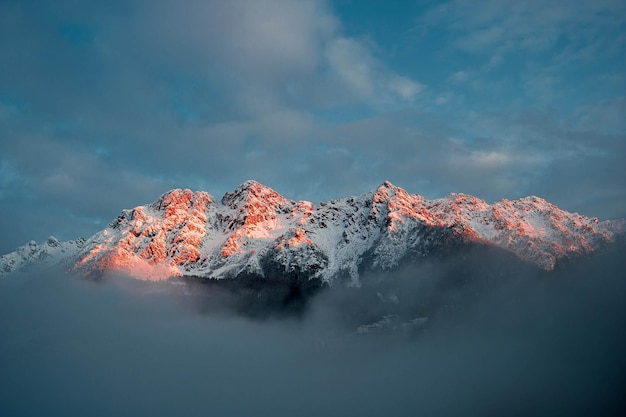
x=256, y=231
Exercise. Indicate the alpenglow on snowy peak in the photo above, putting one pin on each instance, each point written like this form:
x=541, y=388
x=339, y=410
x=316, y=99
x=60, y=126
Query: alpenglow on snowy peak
x=255, y=231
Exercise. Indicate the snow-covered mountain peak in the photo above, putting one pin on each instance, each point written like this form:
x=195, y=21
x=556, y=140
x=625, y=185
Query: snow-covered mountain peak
x=152, y=241
x=396, y=204
x=252, y=193
x=460, y=199
x=387, y=191
x=255, y=204
x=255, y=230
x=386, y=184
x=34, y=256
x=179, y=197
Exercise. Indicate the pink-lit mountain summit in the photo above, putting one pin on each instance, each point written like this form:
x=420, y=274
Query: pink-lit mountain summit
x=256, y=231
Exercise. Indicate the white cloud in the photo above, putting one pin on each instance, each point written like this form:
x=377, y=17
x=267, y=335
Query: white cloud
x=404, y=87
x=267, y=55
x=351, y=62
x=459, y=77
x=483, y=160
x=368, y=78
x=443, y=99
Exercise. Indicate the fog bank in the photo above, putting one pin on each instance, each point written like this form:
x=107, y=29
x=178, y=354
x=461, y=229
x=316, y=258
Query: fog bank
x=533, y=344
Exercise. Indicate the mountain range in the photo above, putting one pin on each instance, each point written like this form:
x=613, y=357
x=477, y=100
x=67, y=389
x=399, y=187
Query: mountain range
x=255, y=231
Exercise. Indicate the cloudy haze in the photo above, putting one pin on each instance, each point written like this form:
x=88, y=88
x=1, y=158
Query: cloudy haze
x=519, y=346
x=107, y=105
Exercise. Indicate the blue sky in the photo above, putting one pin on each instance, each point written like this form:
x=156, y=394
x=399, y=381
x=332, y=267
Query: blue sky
x=106, y=105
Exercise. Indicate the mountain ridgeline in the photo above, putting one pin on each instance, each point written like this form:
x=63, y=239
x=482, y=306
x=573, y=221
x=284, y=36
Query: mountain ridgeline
x=254, y=232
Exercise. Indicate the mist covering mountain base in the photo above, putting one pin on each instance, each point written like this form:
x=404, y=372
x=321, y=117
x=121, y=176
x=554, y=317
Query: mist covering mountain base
x=416, y=289
x=501, y=338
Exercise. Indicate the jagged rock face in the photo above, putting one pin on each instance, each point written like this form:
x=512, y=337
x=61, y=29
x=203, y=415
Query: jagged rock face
x=256, y=231
x=154, y=241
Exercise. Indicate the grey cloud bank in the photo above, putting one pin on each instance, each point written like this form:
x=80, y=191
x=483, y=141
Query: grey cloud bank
x=523, y=345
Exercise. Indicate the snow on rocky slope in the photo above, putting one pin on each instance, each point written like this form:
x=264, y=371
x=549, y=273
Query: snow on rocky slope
x=256, y=231
x=34, y=256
